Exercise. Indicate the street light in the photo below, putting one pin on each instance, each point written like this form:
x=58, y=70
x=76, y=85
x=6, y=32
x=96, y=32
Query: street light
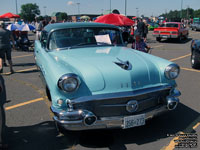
x=78, y=4
x=181, y=8
x=125, y=6
x=45, y=10
x=137, y=12
x=16, y=6
x=110, y=6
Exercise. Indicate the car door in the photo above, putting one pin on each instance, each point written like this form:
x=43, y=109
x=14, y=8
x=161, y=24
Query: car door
x=41, y=52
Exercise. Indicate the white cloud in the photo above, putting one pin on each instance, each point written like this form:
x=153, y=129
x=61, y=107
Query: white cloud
x=70, y=3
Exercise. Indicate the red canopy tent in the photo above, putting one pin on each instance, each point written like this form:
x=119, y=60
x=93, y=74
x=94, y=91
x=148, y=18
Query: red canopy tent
x=9, y=15
x=115, y=19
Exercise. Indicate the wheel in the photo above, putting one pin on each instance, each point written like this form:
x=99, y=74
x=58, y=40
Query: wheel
x=158, y=39
x=195, y=60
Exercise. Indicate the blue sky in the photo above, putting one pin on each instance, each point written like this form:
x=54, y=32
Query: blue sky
x=134, y=7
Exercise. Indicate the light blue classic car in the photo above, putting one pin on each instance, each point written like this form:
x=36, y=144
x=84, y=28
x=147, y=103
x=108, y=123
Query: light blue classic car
x=95, y=82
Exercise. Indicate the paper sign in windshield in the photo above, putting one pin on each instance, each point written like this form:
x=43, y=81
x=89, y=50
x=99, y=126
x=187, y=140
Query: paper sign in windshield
x=103, y=39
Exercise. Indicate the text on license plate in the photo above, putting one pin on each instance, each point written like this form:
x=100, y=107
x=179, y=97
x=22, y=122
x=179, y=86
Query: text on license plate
x=133, y=121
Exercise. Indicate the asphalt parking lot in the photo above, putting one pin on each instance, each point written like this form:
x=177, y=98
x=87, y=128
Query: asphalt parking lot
x=30, y=125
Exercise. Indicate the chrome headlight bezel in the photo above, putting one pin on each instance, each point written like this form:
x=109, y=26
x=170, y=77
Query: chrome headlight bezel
x=172, y=71
x=70, y=78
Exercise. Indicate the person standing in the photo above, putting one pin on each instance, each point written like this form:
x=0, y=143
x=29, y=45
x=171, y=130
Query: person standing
x=145, y=30
x=5, y=36
x=141, y=28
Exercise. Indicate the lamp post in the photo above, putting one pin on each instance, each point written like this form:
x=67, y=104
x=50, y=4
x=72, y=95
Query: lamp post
x=181, y=8
x=16, y=6
x=78, y=4
x=125, y=6
x=45, y=10
x=137, y=14
x=110, y=6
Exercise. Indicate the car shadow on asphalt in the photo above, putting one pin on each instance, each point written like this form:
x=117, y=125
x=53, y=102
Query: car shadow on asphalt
x=44, y=135
x=24, y=64
x=175, y=41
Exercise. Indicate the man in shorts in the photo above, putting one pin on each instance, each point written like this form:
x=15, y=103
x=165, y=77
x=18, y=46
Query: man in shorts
x=5, y=48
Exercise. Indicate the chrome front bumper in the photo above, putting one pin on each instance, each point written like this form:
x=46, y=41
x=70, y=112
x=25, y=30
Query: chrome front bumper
x=80, y=119
x=165, y=36
x=104, y=122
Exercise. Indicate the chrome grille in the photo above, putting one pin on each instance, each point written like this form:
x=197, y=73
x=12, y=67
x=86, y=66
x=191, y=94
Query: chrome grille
x=117, y=106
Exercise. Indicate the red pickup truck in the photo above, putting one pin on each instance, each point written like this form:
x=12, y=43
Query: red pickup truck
x=171, y=30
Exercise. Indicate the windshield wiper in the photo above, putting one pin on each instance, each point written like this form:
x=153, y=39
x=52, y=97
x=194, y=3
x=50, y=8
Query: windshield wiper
x=81, y=44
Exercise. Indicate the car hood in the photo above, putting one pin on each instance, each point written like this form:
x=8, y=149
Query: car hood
x=100, y=68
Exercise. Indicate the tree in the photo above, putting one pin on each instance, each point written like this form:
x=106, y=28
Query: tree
x=61, y=16
x=29, y=11
x=197, y=13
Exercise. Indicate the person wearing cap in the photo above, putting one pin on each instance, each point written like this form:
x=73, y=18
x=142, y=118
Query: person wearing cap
x=140, y=44
x=5, y=36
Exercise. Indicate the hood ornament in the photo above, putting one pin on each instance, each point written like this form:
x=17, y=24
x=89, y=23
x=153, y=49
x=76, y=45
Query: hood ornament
x=126, y=65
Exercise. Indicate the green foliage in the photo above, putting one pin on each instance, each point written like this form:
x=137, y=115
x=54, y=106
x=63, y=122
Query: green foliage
x=197, y=13
x=29, y=12
x=61, y=16
x=185, y=13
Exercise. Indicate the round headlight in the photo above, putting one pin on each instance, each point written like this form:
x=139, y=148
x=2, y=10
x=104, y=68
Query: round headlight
x=69, y=82
x=172, y=71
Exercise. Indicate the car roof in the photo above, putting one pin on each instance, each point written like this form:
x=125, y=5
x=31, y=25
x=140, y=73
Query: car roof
x=57, y=26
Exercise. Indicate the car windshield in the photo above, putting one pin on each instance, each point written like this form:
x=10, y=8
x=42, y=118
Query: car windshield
x=169, y=25
x=81, y=37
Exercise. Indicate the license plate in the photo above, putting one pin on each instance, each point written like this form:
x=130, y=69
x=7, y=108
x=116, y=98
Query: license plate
x=133, y=121
x=164, y=36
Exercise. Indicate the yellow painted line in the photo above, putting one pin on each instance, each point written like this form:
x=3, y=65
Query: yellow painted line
x=25, y=103
x=180, y=57
x=24, y=70
x=22, y=56
x=172, y=143
x=188, y=69
x=198, y=124
x=19, y=71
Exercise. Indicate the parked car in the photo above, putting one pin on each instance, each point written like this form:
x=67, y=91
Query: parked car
x=195, y=26
x=195, y=57
x=95, y=82
x=171, y=30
